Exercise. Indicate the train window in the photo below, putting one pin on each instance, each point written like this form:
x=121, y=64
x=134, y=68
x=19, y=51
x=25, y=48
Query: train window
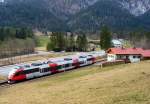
x=17, y=74
x=36, y=64
x=81, y=62
x=67, y=59
x=90, y=55
x=31, y=71
x=27, y=66
x=82, y=56
x=59, y=67
x=90, y=59
x=67, y=65
x=35, y=70
x=27, y=71
x=46, y=69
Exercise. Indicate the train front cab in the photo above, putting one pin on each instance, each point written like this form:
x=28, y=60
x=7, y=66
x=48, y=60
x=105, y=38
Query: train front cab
x=16, y=75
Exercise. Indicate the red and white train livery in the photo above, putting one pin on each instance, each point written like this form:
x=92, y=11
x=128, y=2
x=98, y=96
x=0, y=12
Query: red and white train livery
x=37, y=69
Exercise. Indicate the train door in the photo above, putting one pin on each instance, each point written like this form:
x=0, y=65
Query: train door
x=76, y=63
x=90, y=60
x=69, y=65
x=83, y=62
x=45, y=71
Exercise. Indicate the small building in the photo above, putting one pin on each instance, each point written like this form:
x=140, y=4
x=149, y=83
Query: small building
x=116, y=43
x=127, y=54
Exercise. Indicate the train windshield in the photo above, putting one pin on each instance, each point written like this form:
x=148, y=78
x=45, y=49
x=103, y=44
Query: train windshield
x=82, y=56
x=90, y=55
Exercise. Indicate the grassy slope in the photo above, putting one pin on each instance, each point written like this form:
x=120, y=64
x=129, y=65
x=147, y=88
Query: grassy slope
x=2, y=78
x=123, y=84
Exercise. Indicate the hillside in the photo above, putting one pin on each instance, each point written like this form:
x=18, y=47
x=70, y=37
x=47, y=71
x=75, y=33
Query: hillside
x=108, y=13
x=29, y=14
x=136, y=7
x=123, y=84
x=146, y=17
x=75, y=15
x=66, y=8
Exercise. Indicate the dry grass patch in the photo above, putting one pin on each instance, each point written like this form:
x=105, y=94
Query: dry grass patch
x=123, y=84
x=2, y=78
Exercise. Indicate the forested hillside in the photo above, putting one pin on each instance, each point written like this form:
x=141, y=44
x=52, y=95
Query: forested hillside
x=76, y=15
x=107, y=13
x=146, y=18
x=29, y=13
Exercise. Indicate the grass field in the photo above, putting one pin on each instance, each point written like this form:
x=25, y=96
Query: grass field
x=122, y=84
x=2, y=78
x=42, y=42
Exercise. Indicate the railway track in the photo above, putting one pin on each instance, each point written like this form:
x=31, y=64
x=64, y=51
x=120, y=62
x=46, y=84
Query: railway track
x=4, y=84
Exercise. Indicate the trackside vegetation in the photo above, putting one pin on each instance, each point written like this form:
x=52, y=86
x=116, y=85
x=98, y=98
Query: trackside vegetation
x=16, y=41
x=14, y=47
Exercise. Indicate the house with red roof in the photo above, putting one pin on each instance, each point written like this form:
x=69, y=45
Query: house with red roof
x=127, y=54
x=146, y=54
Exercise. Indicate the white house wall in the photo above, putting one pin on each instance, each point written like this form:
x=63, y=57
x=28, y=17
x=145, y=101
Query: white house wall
x=111, y=57
x=134, y=58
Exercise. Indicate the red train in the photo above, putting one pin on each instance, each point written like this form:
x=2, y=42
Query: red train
x=28, y=71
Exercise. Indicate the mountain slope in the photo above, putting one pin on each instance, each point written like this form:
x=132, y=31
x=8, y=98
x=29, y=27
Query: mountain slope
x=136, y=7
x=87, y=15
x=67, y=8
x=145, y=18
x=29, y=13
x=104, y=13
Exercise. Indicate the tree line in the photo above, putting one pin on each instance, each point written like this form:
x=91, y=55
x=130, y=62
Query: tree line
x=140, y=39
x=16, y=41
x=11, y=32
x=61, y=41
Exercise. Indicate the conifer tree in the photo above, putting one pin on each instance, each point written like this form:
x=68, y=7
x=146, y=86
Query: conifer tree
x=57, y=42
x=71, y=42
x=82, y=42
x=52, y=44
x=105, y=38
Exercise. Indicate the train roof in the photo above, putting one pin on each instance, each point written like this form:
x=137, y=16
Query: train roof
x=58, y=60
